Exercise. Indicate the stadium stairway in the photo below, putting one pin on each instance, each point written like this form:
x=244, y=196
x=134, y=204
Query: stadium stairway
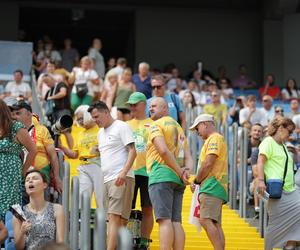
x=239, y=235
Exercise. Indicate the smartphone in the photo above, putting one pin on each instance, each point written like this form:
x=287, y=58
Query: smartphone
x=265, y=197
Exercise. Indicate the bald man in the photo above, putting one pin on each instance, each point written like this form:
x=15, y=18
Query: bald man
x=168, y=163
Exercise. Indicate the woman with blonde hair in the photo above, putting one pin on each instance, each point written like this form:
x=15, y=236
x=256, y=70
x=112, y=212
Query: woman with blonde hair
x=275, y=167
x=84, y=79
x=86, y=149
x=121, y=94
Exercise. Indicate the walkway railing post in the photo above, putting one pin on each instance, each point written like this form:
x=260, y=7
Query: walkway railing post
x=74, y=215
x=66, y=199
x=85, y=216
x=233, y=167
x=244, y=173
x=261, y=218
x=100, y=230
x=124, y=240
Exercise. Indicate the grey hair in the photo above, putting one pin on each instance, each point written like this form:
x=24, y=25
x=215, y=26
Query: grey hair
x=83, y=109
x=144, y=64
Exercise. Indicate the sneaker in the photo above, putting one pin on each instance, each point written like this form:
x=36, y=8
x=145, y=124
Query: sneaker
x=256, y=209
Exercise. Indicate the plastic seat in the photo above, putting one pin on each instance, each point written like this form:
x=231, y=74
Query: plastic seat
x=9, y=242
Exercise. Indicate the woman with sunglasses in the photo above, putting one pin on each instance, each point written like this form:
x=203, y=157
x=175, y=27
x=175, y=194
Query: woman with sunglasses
x=275, y=165
x=44, y=221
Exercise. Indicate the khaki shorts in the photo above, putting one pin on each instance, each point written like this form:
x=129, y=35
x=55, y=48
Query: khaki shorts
x=118, y=200
x=210, y=207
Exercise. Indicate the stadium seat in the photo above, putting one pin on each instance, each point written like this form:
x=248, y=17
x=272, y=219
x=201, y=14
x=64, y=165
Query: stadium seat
x=9, y=242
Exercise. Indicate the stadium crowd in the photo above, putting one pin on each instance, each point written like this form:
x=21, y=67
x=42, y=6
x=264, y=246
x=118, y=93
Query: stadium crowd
x=133, y=136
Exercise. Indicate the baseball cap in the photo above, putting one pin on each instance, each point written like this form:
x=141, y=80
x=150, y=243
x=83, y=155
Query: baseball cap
x=22, y=104
x=202, y=118
x=136, y=97
x=10, y=101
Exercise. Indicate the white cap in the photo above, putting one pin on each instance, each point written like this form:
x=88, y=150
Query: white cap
x=202, y=118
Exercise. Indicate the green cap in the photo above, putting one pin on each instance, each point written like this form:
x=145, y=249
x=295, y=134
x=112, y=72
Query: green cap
x=136, y=97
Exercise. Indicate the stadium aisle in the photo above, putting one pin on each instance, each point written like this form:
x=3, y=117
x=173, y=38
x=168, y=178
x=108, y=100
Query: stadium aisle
x=238, y=233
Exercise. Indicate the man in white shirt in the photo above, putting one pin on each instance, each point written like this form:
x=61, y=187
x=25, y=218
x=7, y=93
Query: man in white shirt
x=252, y=114
x=268, y=109
x=18, y=88
x=117, y=150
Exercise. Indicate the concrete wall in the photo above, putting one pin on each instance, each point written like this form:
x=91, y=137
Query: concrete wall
x=273, y=50
x=9, y=21
x=184, y=36
x=291, y=41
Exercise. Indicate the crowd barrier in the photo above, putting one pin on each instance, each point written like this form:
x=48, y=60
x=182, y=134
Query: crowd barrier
x=79, y=223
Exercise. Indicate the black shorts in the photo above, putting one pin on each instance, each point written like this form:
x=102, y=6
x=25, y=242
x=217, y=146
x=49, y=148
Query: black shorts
x=141, y=182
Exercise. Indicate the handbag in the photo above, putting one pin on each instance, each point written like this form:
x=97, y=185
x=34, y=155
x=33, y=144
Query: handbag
x=50, y=104
x=81, y=89
x=275, y=186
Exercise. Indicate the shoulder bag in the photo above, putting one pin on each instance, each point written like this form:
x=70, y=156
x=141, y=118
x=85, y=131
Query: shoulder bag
x=275, y=186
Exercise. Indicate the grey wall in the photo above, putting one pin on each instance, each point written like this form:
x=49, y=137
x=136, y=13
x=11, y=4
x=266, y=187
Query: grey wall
x=184, y=36
x=291, y=41
x=9, y=21
x=273, y=50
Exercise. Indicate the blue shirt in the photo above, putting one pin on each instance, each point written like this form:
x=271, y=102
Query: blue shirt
x=173, y=112
x=143, y=86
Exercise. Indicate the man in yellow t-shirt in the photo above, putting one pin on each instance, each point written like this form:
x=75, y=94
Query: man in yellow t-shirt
x=168, y=163
x=212, y=177
x=216, y=109
x=140, y=125
x=46, y=153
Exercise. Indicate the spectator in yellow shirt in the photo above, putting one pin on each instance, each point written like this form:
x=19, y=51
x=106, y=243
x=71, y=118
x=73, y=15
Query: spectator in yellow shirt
x=216, y=109
x=86, y=149
x=46, y=160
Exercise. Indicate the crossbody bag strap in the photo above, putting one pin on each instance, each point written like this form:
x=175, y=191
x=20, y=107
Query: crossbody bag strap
x=286, y=166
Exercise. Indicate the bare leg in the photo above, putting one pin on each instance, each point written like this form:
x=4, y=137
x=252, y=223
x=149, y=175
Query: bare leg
x=221, y=233
x=113, y=226
x=179, y=236
x=147, y=222
x=166, y=234
x=213, y=233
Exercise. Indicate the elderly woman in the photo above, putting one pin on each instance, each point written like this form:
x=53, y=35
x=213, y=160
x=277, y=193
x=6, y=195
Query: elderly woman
x=84, y=78
x=276, y=165
x=44, y=220
x=86, y=149
x=13, y=138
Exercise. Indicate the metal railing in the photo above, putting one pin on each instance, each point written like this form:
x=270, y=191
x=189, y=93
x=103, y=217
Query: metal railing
x=79, y=235
x=243, y=172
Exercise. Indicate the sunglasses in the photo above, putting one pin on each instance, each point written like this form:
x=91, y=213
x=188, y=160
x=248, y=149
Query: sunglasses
x=266, y=100
x=279, y=111
x=157, y=87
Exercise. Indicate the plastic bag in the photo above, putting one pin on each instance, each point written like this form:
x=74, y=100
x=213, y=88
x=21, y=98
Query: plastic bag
x=195, y=210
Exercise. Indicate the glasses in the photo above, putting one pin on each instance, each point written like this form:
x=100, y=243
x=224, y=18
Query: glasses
x=266, y=100
x=290, y=131
x=279, y=111
x=157, y=87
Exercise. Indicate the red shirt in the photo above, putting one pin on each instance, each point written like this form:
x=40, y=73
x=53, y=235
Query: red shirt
x=272, y=91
